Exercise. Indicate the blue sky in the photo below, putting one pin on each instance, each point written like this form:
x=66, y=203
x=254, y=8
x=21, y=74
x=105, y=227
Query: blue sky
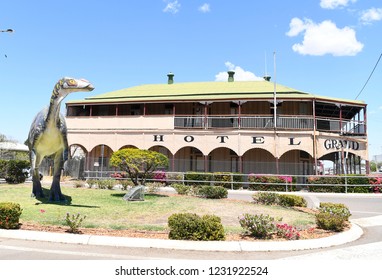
x=325, y=47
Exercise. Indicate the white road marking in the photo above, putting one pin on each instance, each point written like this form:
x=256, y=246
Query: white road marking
x=71, y=253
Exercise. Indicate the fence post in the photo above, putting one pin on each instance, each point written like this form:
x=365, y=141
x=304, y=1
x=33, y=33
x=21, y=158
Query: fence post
x=346, y=183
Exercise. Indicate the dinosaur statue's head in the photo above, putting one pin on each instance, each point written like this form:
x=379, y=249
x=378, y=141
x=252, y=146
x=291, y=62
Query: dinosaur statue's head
x=67, y=85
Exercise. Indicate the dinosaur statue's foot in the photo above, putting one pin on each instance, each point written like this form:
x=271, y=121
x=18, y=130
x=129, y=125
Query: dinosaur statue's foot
x=55, y=194
x=54, y=197
x=37, y=191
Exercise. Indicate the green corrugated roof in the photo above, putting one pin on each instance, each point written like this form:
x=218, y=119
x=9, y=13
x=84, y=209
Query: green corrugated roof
x=197, y=91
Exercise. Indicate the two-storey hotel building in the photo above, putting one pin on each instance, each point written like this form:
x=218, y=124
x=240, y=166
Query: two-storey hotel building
x=249, y=127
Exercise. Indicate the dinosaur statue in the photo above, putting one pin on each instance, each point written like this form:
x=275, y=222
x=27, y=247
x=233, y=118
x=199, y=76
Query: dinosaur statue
x=48, y=137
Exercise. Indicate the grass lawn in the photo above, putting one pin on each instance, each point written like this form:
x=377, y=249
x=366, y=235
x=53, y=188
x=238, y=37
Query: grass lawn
x=107, y=209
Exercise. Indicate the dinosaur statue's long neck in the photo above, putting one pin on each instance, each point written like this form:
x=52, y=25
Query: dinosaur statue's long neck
x=54, y=106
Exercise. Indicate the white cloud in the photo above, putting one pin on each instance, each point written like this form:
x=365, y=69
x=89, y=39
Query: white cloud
x=370, y=15
x=240, y=74
x=333, y=4
x=205, y=8
x=172, y=7
x=324, y=38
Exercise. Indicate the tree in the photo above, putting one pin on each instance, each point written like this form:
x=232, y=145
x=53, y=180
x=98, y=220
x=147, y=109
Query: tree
x=139, y=164
x=3, y=138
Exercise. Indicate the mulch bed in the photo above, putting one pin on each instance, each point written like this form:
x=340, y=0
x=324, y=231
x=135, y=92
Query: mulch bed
x=310, y=233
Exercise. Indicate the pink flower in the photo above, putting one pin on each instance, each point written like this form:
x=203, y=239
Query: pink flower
x=42, y=211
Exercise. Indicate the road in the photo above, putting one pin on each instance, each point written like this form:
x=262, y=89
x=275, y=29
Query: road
x=366, y=211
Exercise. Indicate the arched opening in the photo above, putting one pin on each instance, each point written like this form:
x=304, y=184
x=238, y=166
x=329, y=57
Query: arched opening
x=342, y=163
x=98, y=161
x=258, y=161
x=296, y=162
x=223, y=160
x=189, y=159
x=76, y=163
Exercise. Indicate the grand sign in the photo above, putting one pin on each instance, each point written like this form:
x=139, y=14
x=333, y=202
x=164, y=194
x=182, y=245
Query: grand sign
x=334, y=144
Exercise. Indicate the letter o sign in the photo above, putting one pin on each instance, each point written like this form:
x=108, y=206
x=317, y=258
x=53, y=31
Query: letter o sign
x=189, y=138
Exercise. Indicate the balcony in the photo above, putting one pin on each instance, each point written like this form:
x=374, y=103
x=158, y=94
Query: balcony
x=351, y=127
x=228, y=122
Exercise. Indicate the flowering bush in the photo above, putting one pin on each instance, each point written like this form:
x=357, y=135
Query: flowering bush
x=160, y=176
x=288, y=232
x=74, y=222
x=270, y=183
x=376, y=184
x=119, y=175
x=287, y=179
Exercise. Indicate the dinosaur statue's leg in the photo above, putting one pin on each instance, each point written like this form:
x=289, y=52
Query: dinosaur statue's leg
x=35, y=163
x=55, y=190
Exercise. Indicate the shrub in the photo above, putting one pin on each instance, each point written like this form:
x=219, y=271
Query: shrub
x=188, y=226
x=92, y=182
x=174, y=178
x=285, y=200
x=78, y=184
x=212, y=228
x=266, y=198
x=194, y=178
x=270, y=183
x=9, y=215
x=154, y=187
x=332, y=216
x=228, y=180
x=182, y=189
x=258, y=226
x=125, y=183
x=213, y=192
x=74, y=222
x=106, y=183
x=15, y=171
x=290, y=200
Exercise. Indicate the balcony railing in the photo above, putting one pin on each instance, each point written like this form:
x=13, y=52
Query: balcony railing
x=267, y=122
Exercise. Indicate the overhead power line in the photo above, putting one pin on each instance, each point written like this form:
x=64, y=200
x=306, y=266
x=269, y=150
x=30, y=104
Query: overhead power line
x=371, y=74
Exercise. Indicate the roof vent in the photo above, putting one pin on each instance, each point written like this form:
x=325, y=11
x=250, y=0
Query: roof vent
x=267, y=78
x=170, y=78
x=230, y=76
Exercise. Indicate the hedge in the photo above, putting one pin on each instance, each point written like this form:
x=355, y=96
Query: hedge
x=224, y=179
x=195, y=178
x=355, y=184
x=13, y=170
